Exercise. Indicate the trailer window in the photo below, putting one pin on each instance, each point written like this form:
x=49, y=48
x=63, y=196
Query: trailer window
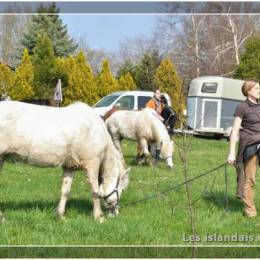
x=209, y=87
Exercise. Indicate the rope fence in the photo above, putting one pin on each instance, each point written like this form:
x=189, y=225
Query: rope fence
x=166, y=191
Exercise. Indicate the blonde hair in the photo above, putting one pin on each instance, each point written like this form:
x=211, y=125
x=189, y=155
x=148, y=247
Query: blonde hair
x=248, y=85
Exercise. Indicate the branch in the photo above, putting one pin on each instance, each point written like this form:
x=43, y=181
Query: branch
x=227, y=45
x=243, y=40
x=220, y=27
x=228, y=73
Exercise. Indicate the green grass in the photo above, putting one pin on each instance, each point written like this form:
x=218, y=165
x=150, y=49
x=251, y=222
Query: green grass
x=29, y=196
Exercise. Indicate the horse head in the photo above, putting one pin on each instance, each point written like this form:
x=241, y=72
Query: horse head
x=115, y=180
x=111, y=199
x=166, y=152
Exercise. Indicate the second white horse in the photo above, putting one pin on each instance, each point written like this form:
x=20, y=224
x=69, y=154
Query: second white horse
x=144, y=126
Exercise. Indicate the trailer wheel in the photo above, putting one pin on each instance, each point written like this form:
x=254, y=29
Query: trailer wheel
x=218, y=136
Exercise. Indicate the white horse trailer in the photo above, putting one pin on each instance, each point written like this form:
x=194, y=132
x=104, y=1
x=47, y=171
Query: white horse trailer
x=211, y=104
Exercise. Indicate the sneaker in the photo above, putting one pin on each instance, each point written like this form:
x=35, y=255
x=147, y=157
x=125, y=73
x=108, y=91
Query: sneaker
x=238, y=196
x=250, y=215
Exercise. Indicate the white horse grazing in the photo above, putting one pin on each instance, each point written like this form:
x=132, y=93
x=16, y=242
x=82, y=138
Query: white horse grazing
x=144, y=126
x=72, y=137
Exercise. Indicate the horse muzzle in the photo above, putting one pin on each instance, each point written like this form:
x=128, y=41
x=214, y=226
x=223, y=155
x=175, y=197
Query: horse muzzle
x=169, y=162
x=114, y=211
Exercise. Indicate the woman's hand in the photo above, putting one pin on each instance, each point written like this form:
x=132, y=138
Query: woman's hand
x=231, y=159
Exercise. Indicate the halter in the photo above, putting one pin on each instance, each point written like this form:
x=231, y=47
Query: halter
x=114, y=191
x=167, y=157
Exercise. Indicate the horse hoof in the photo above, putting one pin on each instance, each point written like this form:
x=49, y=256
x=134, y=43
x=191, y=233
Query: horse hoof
x=101, y=220
x=2, y=219
x=151, y=164
x=62, y=218
x=154, y=161
x=140, y=161
x=111, y=215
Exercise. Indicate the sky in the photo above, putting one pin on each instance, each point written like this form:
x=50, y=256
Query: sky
x=107, y=31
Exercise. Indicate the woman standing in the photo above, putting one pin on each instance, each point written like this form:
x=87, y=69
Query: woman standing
x=247, y=127
x=155, y=102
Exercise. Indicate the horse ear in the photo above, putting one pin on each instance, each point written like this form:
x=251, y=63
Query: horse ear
x=125, y=179
x=128, y=170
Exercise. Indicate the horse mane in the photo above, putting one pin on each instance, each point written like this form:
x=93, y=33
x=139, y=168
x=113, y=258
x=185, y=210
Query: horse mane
x=110, y=112
x=112, y=155
x=160, y=126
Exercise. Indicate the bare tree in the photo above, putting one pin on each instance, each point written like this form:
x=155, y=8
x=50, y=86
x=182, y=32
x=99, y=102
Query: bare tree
x=12, y=28
x=96, y=56
x=182, y=39
x=233, y=31
x=133, y=49
x=203, y=44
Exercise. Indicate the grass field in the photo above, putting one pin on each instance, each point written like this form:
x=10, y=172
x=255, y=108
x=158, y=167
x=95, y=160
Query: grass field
x=29, y=196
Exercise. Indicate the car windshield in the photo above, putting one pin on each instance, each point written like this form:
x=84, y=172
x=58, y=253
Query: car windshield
x=106, y=101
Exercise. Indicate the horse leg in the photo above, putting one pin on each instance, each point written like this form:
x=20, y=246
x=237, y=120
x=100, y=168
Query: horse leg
x=117, y=143
x=144, y=145
x=115, y=137
x=140, y=155
x=1, y=162
x=92, y=174
x=2, y=219
x=153, y=149
x=65, y=190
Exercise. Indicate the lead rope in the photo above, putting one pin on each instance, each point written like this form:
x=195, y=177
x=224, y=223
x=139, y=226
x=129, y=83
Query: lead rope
x=226, y=188
x=179, y=185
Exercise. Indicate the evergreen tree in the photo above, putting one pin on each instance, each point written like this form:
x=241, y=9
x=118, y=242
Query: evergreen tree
x=45, y=68
x=127, y=66
x=249, y=66
x=6, y=80
x=106, y=83
x=52, y=26
x=81, y=81
x=61, y=71
x=145, y=71
x=167, y=79
x=126, y=82
x=23, y=81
